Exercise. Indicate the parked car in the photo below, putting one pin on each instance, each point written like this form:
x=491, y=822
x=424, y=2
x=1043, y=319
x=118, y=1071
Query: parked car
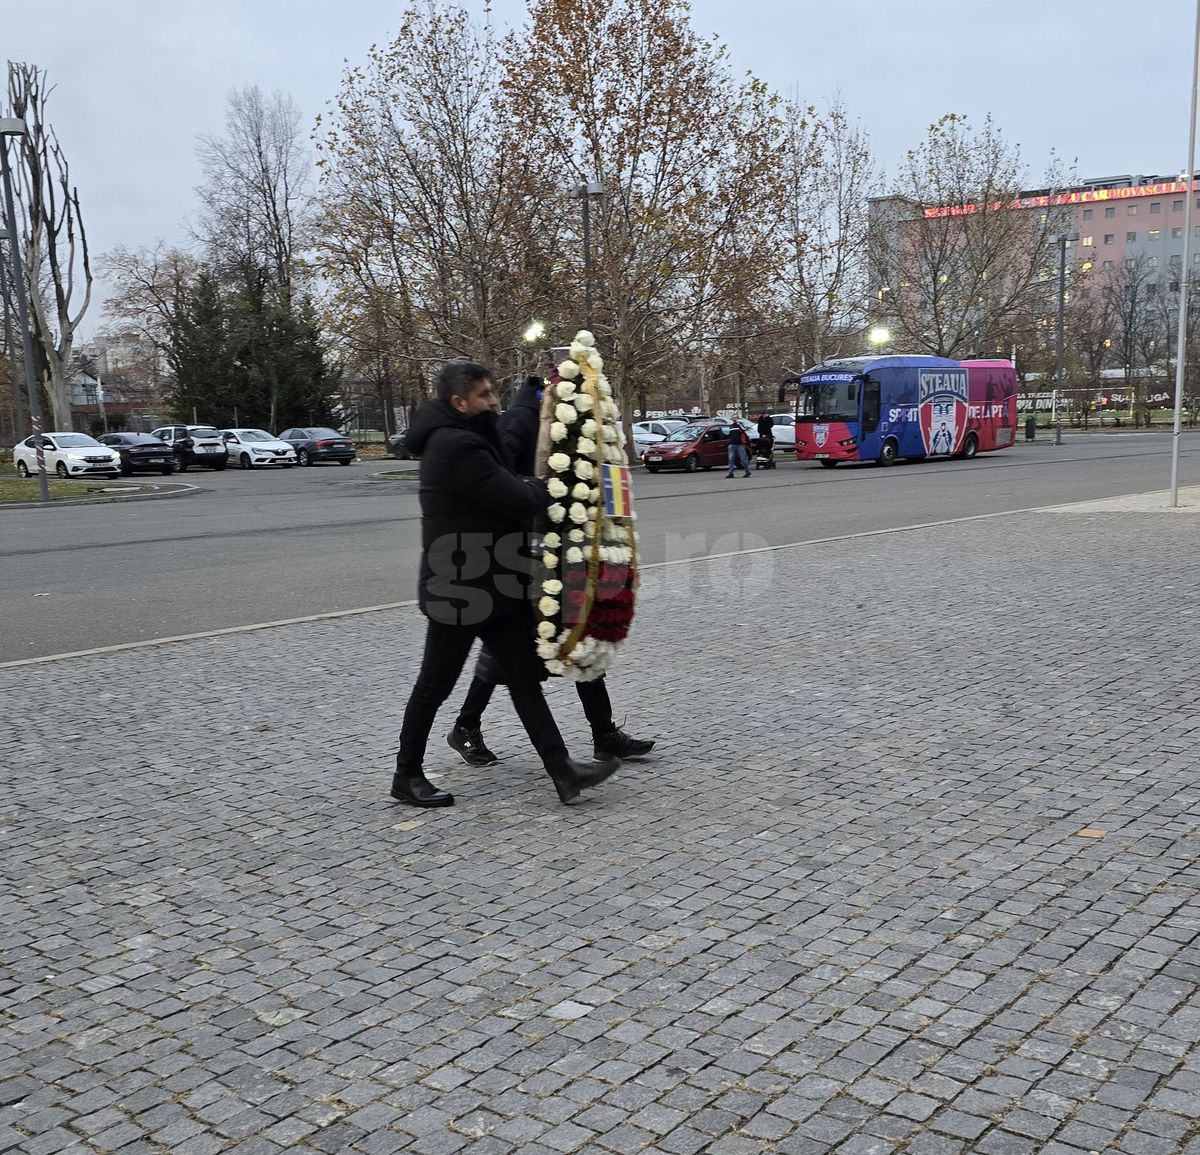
x=319, y=443
x=663, y=426
x=698, y=446
x=68, y=455
x=643, y=438
x=250, y=448
x=784, y=430
x=194, y=445
x=140, y=452
x=396, y=447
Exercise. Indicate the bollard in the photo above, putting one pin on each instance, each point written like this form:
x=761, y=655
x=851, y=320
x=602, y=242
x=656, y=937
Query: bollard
x=1030, y=428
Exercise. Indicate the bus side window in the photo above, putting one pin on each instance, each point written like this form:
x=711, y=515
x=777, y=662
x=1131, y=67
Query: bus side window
x=870, y=418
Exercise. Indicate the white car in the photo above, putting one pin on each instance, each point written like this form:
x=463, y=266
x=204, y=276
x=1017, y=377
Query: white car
x=785, y=430
x=68, y=455
x=251, y=447
x=646, y=433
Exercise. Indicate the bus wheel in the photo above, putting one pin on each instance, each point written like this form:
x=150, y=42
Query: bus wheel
x=970, y=446
x=889, y=454
x=829, y=464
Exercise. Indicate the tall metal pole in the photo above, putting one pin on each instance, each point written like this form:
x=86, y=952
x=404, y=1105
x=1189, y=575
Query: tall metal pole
x=8, y=127
x=1062, y=293
x=587, y=252
x=1185, y=277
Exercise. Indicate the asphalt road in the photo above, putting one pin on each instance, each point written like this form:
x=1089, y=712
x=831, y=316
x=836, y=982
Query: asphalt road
x=272, y=545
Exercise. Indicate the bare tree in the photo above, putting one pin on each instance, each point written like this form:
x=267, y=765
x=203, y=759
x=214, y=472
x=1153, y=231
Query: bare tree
x=960, y=260
x=255, y=195
x=55, y=244
x=628, y=94
x=823, y=275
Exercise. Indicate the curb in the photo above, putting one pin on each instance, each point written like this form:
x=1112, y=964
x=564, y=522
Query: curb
x=177, y=489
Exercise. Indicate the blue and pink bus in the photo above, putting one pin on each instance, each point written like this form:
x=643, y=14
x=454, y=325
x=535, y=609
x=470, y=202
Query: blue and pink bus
x=886, y=408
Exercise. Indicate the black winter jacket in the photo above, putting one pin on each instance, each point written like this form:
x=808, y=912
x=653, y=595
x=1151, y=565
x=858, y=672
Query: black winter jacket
x=520, y=424
x=474, y=516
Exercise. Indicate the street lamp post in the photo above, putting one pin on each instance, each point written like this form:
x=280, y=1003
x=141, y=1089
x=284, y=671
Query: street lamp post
x=1061, y=240
x=585, y=192
x=13, y=126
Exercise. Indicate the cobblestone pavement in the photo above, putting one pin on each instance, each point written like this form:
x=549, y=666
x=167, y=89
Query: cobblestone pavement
x=915, y=870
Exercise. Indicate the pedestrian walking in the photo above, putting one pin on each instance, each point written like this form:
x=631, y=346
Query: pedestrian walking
x=474, y=518
x=519, y=425
x=739, y=449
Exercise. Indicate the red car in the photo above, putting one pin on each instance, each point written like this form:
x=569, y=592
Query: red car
x=698, y=446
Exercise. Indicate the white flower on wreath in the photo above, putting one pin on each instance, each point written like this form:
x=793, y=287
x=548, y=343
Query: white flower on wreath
x=578, y=513
x=565, y=412
x=583, y=403
x=546, y=632
x=595, y=360
x=553, y=587
x=558, y=431
x=574, y=554
x=610, y=433
x=564, y=390
x=585, y=337
x=589, y=428
x=559, y=462
x=568, y=370
x=613, y=455
x=585, y=446
x=557, y=488
x=547, y=607
x=549, y=560
x=555, y=667
x=552, y=540
x=579, y=353
x=585, y=470
x=581, y=492
x=547, y=649
x=605, y=387
x=575, y=535
x=556, y=513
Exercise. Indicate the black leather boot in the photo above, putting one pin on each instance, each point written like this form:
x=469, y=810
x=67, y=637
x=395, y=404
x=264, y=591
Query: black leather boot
x=621, y=745
x=570, y=777
x=411, y=786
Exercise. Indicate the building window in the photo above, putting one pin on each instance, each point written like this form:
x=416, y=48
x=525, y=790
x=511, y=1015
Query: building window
x=1087, y=242
x=1132, y=210
x=1176, y=233
x=1196, y=230
x=1176, y=261
x=1108, y=264
x=1153, y=234
x=1153, y=261
x=1196, y=258
x=1156, y=207
x=1130, y=238
x=1087, y=214
x=1177, y=206
x=1111, y=211
x=1108, y=238
x=1086, y=267
x=1130, y=262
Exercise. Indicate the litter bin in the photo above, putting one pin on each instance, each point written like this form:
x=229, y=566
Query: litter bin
x=1030, y=428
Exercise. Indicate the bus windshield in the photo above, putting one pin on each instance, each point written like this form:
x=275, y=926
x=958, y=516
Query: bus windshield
x=830, y=401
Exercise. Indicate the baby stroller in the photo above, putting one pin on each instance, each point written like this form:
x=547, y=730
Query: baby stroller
x=764, y=454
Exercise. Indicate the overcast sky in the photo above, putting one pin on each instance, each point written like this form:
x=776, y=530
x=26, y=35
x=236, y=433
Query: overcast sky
x=1105, y=83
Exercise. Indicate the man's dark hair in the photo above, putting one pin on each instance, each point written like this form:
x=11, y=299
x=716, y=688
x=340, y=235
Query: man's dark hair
x=458, y=378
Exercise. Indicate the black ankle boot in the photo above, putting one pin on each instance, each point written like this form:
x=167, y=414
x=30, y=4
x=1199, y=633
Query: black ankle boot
x=621, y=745
x=570, y=777
x=411, y=786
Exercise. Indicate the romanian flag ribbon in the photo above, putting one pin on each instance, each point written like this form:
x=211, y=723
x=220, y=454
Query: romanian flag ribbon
x=618, y=498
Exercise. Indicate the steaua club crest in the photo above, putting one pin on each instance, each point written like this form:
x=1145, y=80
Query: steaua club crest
x=821, y=435
x=942, y=395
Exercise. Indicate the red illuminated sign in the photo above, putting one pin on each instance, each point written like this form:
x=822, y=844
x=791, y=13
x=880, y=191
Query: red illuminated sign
x=1084, y=196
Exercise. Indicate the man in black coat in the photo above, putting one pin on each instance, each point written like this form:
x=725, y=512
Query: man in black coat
x=474, y=514
x=519, y=427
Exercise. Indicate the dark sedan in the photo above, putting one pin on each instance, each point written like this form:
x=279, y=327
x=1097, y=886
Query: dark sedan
x=319, y=443
x=141, y=453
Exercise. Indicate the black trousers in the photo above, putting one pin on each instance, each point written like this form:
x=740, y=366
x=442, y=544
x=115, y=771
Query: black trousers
x=510, y=638
x=593, y=696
